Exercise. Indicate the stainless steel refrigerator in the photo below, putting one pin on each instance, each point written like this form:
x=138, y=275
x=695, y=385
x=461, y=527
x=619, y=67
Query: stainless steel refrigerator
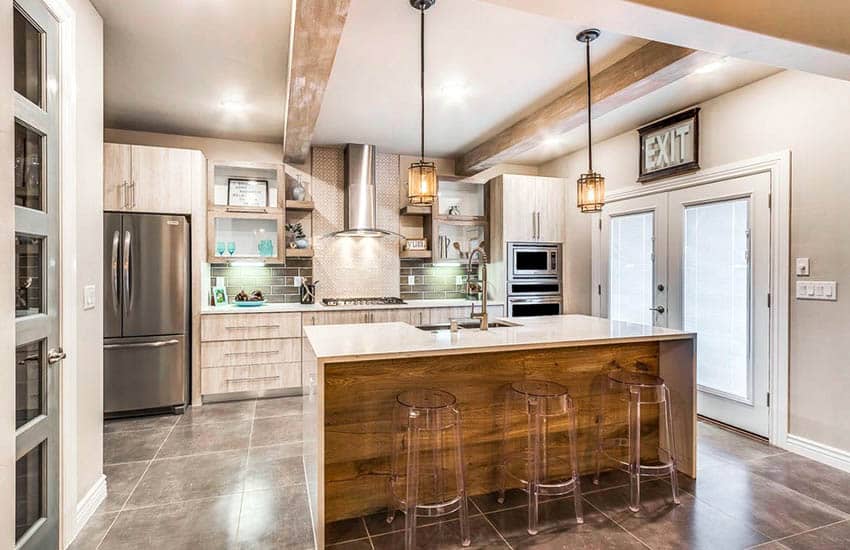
x=146, y=313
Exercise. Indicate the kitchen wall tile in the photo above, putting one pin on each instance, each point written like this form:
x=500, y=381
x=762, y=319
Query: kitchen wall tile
x=277, y=283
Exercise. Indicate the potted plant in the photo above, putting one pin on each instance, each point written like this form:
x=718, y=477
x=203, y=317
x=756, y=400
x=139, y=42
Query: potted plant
x=299, y=239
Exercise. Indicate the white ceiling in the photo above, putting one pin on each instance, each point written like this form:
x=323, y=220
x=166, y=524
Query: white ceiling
x=170, y=64
x=508, y=62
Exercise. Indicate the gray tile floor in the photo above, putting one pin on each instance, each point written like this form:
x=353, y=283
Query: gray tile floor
x=230, y=476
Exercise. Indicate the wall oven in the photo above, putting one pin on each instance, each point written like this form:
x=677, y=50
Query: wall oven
x=533, y=306
x=533, y=260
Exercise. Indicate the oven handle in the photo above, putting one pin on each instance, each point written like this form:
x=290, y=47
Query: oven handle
x=544, y=300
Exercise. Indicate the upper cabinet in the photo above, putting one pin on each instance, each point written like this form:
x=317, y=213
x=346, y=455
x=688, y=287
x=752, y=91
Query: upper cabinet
x=528, y=208
x=139, y=178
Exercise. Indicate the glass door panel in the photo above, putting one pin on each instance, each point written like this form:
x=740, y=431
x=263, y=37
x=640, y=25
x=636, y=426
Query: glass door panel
x=716, y=294
x=631, y=269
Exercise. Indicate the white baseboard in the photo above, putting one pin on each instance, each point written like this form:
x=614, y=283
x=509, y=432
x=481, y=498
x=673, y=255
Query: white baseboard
x=837, y=458
x=88, y=505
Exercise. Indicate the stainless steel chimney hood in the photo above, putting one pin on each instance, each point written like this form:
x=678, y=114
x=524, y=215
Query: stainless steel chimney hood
x=360, y=196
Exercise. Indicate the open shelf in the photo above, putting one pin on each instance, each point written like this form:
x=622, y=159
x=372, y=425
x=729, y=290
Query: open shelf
x=413, y=210
x=299, y=252
x=408, y=254
x=299, y=205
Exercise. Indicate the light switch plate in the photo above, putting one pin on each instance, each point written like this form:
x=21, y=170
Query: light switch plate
x=803, y=267
x=89, y=296
x=296, y=281
x=817, y=290
x=411, y=280
x=458, y=280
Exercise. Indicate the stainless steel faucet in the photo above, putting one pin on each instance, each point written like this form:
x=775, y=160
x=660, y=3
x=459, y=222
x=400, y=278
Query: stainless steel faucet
x=483, y=262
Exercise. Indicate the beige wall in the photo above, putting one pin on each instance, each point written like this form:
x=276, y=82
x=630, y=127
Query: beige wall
x=213, y=149
x=89, y=197
x=808, y=115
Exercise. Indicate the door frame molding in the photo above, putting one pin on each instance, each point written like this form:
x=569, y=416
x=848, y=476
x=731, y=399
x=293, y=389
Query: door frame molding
x=778, y=166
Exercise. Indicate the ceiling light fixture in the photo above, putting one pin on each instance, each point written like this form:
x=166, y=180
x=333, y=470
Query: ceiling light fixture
x=711, y=67
x=233, y=105
x=454, y=92
x=591, y=186
x=422, y=175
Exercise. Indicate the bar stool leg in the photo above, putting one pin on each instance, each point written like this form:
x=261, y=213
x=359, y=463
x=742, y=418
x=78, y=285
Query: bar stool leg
x=394, y=431
x=671, y=445
x=504, y=447
x=634, y=448
x=412, y=481
x=534, y=429
x=574, y=462
x=598, y=450
x=460, y=472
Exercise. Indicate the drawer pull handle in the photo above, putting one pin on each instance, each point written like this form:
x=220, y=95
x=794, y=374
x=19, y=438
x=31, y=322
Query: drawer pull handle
x=261, y=379
x=232, y=353
x=253, y=327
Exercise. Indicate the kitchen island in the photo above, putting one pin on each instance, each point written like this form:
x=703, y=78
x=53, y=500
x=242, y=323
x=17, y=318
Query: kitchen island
x=352, y=374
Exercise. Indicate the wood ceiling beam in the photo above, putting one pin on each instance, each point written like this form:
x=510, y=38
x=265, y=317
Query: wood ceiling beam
x=644, y=71
x=316, y=29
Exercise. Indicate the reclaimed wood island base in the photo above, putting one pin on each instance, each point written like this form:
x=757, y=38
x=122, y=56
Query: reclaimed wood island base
x=353, y=373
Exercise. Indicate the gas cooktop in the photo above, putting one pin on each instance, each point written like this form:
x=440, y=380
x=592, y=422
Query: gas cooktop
x=379, y=301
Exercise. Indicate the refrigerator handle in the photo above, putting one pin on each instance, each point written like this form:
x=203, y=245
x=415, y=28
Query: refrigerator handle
x=116, y=238
x=128, y=294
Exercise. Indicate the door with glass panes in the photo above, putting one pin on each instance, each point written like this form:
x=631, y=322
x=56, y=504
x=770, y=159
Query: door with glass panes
x=38, y=352
x=698, y=259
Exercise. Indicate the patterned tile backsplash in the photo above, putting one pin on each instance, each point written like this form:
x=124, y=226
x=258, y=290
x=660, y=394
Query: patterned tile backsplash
x=275, y=282
x=432, y=282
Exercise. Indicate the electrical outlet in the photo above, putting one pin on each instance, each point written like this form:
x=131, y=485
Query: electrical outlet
x=297, y=281
x=411, y=280
x=458, y=280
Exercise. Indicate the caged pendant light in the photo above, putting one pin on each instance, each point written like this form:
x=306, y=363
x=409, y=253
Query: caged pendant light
x=422, y=175
x=591, y=185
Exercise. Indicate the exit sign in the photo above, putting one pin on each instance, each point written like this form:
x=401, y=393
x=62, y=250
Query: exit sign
x=670, y=146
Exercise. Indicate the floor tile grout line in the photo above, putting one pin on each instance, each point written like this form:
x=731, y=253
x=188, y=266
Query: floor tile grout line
x=136, y=486
x=490, y=523
x=368, y=536
x=245, y=471
x=779, y=540
x=615, y=522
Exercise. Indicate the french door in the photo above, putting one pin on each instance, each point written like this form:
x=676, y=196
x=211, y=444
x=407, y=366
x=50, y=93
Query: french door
x=37, y=293
x=706, y=271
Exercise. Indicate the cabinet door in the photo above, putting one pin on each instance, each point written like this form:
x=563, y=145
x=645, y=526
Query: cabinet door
x=446, y=314
x=550, y=197
x=116, y=176
x=162, y=180
x=519, y=208
x=336, y=317
x=414, y=317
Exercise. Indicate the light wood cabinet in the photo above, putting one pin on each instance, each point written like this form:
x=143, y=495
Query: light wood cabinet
x=250, y=326
x=140, y=178
x=446, y=314
x=224, y=380
x=528, y=208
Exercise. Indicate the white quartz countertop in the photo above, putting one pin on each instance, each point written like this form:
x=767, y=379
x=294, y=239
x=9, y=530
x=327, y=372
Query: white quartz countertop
x=353, y=342
x=283, y=308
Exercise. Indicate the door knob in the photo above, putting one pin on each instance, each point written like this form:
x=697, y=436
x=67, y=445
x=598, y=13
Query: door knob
x=659, y=309
x=55, y=355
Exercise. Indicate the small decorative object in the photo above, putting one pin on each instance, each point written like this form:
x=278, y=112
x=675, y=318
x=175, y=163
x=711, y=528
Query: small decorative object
x=219, y=248
x=252, y=193
x=219, y=296
x=422, y=174
x=243, y=299
x=266, y=247
x=670, y=146
x=307, y=292
x=416, y=244
x=231, y=248
x=591, y=185
x=298, y=192
x=299, y=239
x=454, y=210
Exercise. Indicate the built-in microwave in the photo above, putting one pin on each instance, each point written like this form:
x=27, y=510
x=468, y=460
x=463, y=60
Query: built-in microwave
x=533, y=260
x=533, y=306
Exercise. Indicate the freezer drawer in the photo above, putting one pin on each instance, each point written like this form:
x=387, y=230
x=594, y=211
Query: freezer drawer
x=144, y=373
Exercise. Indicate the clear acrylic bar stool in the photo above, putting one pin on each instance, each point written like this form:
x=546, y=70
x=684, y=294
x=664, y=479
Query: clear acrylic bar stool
x=639, y=389
x=543, y=402
x=421, y=420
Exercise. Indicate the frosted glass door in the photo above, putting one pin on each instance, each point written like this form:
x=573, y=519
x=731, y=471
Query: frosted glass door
x=631, y=268
x=716, y=295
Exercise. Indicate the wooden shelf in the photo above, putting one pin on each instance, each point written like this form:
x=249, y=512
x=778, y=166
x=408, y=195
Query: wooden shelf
x=412, y=210
x=407, y=254
x=299, y=252
x=461, y=218
x=299, y=205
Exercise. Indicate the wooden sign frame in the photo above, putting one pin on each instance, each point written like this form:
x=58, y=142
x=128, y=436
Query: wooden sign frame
x=692, y=166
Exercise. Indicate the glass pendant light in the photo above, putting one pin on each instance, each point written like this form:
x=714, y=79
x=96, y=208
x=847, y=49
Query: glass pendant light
x=422, y=175
x=591, y=185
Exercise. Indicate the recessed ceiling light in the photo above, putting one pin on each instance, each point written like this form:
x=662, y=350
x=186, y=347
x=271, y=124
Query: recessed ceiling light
x=454, y=92
x=711, y=67
x=553, y=141
x=233, y=105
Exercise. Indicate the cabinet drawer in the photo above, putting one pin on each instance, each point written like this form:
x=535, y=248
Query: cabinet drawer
x=250, y=378
x=250, y=326
x=250, y=352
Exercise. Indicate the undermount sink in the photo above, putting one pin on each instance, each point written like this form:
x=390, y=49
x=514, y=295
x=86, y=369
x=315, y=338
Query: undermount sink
x=467, y=324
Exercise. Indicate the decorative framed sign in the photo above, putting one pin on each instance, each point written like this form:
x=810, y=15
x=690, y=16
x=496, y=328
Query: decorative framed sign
x=252, y=193
x=670, y=146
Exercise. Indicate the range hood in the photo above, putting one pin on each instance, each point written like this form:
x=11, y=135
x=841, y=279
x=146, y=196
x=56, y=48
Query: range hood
x=360, y=196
